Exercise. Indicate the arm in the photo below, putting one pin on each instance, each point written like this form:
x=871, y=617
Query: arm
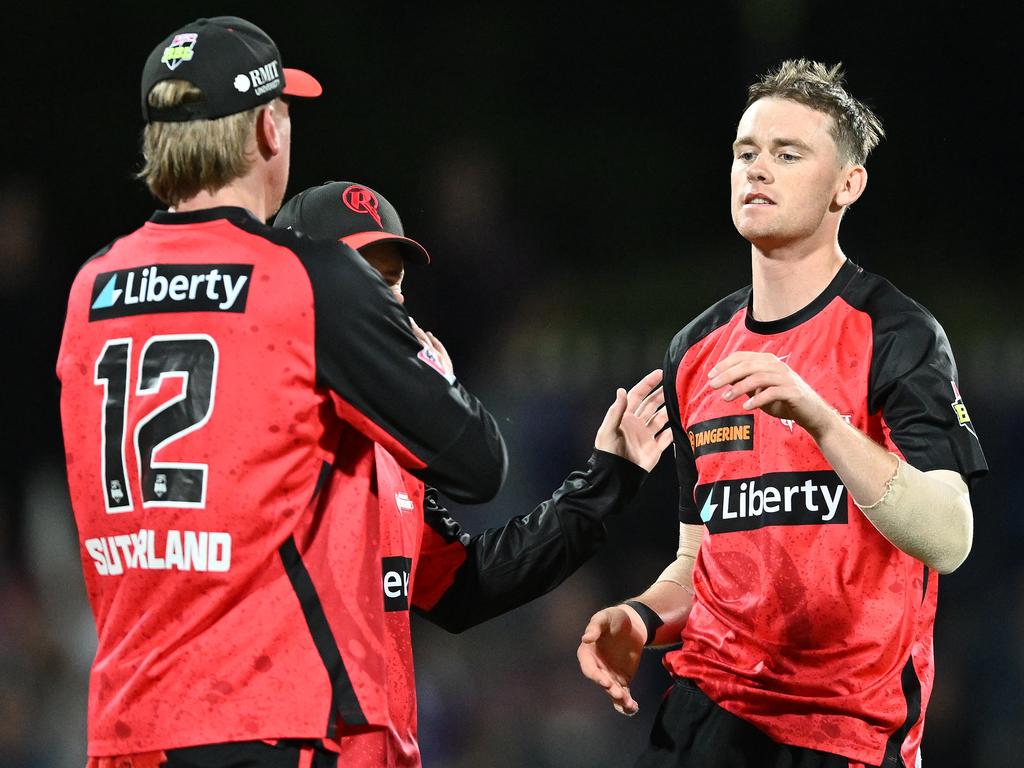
x=370, y=360
x=938, y=534
x=612, y=644
x=463, y=580
x=613, y=641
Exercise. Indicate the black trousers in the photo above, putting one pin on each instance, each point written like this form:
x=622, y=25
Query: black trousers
x=691, y=731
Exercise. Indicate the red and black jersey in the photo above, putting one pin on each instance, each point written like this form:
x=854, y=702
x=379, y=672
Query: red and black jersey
x=807, y=622
x=457, y=580
x=213, y=371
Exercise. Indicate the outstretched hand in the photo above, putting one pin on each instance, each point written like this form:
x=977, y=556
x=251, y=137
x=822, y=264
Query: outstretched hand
x=634, y=427
x=609, y=654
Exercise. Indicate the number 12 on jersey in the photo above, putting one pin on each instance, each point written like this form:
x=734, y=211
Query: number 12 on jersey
x=193, y=359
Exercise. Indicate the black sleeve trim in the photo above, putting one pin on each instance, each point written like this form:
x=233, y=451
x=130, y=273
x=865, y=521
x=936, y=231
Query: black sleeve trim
x=913, y=382
x=686, y=464
x=530, y=555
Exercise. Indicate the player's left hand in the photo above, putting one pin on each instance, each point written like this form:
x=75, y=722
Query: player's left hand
x=771, y=385
x=634, y=427
x=609, y=654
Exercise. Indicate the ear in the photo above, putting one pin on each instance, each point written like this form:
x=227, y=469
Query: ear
x=268, y=137
x=853, y=181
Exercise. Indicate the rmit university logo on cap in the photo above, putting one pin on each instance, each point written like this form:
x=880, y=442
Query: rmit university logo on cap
x=159, y=288
x=179, y=50
x=395, y=581
x=362, y=200
x=261, y=79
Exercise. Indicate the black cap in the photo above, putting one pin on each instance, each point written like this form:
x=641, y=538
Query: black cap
x=351, y=213
x=232, y=61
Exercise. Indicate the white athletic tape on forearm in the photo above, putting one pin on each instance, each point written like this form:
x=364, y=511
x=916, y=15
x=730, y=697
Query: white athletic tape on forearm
x=680, y=570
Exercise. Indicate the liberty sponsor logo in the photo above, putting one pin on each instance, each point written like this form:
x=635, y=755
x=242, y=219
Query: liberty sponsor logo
x=962, y=417
x=150, y=550
x=728, y=433
x=395, y=581
x=181, y=49
x=160, y=288
x=361, y=200
x=261, y=79
x=777, y=498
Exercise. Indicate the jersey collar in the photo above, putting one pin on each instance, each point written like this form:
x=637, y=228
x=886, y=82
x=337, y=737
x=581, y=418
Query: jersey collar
x=833, y=289
x=230, y=212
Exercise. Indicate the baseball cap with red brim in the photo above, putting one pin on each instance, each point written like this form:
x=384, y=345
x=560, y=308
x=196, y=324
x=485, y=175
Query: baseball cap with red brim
x=352, y=213
x=232, y=61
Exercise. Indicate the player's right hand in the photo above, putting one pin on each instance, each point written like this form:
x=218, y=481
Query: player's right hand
x=634, y=427
x=609, y=654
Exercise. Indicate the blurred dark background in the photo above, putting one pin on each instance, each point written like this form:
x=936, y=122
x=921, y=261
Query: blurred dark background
x=567, y=166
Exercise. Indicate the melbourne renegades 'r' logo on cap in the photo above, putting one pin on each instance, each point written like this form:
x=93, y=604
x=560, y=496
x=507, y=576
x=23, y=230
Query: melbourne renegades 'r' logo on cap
x=362, y=200
x=179, y=50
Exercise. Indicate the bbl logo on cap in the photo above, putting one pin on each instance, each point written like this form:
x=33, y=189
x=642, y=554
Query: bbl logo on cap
x=362, y=200
x=179, y=50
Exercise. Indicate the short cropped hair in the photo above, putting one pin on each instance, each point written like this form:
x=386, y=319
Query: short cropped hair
x=185, y=158
x=855, y=128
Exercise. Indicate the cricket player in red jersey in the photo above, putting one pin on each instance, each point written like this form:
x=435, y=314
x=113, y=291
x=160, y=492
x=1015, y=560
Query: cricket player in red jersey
x=215, y=371
x=428, y=563
x=824, y=455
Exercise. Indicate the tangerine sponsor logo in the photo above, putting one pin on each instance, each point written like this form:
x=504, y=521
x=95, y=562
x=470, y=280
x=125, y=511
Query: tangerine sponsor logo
x=728, y=433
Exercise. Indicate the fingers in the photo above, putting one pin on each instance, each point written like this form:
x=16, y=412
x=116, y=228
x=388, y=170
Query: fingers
x=595, y=628
x=739, y=364
x=752, y=383
x=419, y=333
x=593, y=669
x=639, y=391
x=616, y=410
x=658, y=421
x=650, y=405
x=622, y=700
x=628, y=709
x=437, y=343
x=765, y=397
x=663, y=440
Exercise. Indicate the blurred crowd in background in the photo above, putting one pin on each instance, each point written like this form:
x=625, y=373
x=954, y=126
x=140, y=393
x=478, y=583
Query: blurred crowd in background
x=567, y=168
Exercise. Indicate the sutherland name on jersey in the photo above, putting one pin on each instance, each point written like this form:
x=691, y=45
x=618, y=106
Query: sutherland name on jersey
x=159, y=551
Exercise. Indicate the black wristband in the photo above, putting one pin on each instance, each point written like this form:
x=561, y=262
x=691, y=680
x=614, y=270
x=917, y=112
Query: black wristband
x=650, y=619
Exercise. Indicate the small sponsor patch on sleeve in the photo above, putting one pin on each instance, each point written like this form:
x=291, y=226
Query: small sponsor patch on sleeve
x=962, y=417
x=430, y=357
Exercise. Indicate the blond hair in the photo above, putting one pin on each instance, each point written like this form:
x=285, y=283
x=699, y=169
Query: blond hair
x=184, y=158
x=856, y=130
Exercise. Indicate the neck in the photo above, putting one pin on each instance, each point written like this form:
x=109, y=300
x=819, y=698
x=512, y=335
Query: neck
x=241, y=193
x=787, y=279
